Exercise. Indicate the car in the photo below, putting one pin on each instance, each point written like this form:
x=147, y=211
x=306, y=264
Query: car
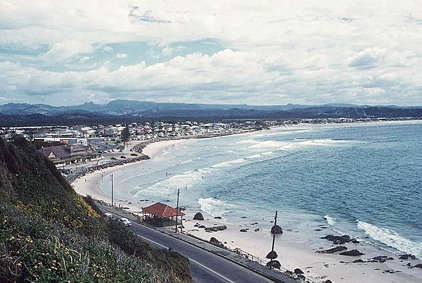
x=133, y=154
x=125, y=221
x=113, y=158
x=122, y=156
x=109, y=215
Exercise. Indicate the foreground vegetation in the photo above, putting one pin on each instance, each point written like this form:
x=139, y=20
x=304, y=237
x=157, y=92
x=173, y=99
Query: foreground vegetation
x=48, y=233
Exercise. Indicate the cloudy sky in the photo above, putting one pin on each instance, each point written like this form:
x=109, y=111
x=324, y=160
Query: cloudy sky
x=254, y=52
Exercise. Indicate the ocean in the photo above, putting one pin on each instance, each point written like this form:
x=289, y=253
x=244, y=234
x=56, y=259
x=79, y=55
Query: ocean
x=364, y=180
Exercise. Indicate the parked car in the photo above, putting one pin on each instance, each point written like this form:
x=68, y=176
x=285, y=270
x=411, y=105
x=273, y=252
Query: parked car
x=113, y=158
x=133, y=154
x=125, y=221
x=122, y=156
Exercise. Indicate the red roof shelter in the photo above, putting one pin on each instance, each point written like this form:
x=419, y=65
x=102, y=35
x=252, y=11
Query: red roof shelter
x=162, y=210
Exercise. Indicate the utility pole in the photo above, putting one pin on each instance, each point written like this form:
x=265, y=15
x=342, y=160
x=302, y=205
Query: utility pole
x=177, y=207
x=112, y=190
x=272, y=248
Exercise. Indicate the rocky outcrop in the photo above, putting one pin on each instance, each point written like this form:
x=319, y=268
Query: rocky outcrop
x=381, y=258
x=407, y=256
x=332, y=250
x=216, y=228
x=352, y=253
x=340, y=240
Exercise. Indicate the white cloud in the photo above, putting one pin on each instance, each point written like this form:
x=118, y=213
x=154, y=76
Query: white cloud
x=276, y=51
x=121, y=55
x=65, y=50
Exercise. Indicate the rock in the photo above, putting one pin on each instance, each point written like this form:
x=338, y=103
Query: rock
x=243, y=230
x=217, y=243
x=340, y=240
x=276, y=230
x=256, y=230
x=274, y=264
x=198, y=216
x=332, y=250
x=328, y=281
x=358, y=261
x=317, y=229
x=407, y=256
x=214, y=241
x=217, y=217
x=201, y=226
x=215, y=228
x=254, y=223
x=298, y=271
x=381, y=259
x=272, y=255
x=419, y=265
x=352, y=253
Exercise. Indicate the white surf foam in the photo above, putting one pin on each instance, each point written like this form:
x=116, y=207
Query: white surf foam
x=306, y=143
x=229, y=163
x=246, y=141
x=215, y=207
x=255, y=156
x=391, y=238
x=268, y=144
x=330, y=220
x=185, y=180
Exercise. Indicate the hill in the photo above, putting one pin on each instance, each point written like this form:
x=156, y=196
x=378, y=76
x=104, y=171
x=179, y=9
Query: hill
x=48, y=233
x=121, y=111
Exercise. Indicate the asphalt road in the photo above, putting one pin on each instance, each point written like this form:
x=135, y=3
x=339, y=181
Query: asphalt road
x=206, y=267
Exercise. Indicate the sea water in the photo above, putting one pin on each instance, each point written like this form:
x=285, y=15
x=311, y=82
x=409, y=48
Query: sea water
x=364, y=180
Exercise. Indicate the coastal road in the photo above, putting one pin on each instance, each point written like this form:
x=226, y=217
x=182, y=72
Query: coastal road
x=206, y=267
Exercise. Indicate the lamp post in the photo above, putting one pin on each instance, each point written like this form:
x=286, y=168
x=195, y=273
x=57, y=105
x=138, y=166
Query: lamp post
x=177, y=207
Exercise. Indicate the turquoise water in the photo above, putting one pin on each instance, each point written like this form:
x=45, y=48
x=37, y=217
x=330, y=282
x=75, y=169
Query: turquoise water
x=364, y=178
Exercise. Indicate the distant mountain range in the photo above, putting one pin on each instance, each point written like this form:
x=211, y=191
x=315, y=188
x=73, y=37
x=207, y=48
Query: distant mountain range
x=117, y=111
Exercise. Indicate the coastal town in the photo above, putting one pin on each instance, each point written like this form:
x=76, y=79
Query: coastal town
x=98, y=146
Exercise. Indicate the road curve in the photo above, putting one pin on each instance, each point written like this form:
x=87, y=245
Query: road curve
x=206, y=267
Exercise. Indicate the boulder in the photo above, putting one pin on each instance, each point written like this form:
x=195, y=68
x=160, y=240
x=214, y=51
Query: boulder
x=198, y=216
x=217, y=217
x=276, y=230
x=217, y=243
x=243, y=230
x=340, y=240
x=332, y=250
x=352, y=253
x=272, y=255
x=381, y=259
x=419, y=265
x=328, y=281
x=216, y=228
x=298, y=271
x=358, y=261
x=407, y=256
x=274, y=264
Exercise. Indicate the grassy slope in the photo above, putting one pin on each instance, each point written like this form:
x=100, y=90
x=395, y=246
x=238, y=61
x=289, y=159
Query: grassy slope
x=49, y=233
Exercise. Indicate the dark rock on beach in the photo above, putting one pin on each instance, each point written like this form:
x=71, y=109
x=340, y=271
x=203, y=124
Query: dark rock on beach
x=407, y=256
x=198, y=216
x=276, y=230
x=419, y=265
x=274, y=264
x=381, y=259
x=243, y=230
x=340, y=240
x=216, y=228
x=352, y=253
x=332, y=250
x=328, y=281
x=298, y=271
x=217, y=217
x=216, y=242
x=358, y=261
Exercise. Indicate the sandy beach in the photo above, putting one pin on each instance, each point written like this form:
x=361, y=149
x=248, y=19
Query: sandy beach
x=293, y=251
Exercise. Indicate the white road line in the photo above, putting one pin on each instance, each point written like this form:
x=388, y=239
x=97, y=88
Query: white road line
x=207, y=268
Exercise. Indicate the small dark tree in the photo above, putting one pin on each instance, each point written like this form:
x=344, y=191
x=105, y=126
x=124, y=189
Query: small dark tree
x=125, y=135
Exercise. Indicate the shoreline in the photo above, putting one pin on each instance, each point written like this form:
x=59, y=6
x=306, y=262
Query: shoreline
x=292, y=253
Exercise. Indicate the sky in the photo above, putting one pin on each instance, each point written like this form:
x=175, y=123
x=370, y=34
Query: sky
x=225, y=52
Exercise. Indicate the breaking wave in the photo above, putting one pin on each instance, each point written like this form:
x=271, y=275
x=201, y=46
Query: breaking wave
x=229, y=163
x=215, y=207
x=330, y=220
x=391, y=238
